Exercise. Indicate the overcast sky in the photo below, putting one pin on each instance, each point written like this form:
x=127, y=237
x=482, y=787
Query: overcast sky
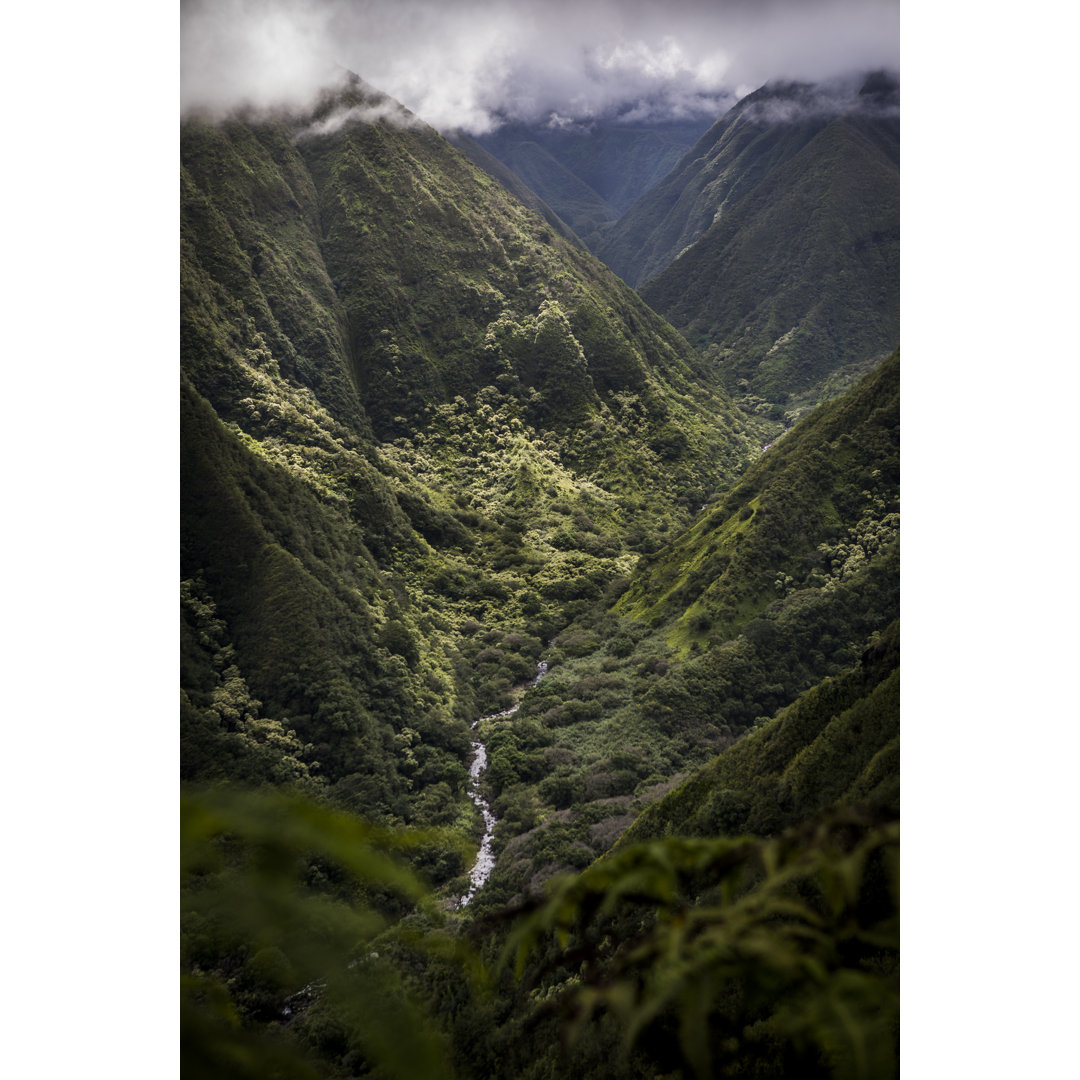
x=466, y=63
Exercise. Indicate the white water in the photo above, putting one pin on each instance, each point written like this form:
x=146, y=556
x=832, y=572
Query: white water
x=485, y=860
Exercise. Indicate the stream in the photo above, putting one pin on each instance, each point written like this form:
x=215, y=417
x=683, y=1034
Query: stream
x=485, y=859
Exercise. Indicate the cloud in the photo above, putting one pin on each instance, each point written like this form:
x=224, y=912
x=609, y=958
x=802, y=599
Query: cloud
x=785, y=102
x=243, y=53
x=387, y=109
x=473, y=64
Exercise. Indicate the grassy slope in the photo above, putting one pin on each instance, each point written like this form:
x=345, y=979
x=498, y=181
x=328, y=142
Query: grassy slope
x=574, y=200
x=725, y=164
x=513, y=183
x=815, y=486
x=838, y=743
x=803, y=275
x=774, y=245
x=778, y=586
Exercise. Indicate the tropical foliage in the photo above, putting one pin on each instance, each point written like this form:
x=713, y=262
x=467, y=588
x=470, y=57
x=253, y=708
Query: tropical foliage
x=429, y=442
x=774, y=245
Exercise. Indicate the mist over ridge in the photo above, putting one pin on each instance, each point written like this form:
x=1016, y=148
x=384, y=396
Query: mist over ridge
x=474, y=65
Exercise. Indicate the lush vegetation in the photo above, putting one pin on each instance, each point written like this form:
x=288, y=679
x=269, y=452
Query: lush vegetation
x=427, y=442
x=312, y=951
x=800, y=277
x=774, y=244
x=413, y=419
x=781, y=584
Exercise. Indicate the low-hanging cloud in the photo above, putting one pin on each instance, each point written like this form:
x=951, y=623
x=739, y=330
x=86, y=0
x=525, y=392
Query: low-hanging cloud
x=473, y=64
x=387, y=109
x=788, y=103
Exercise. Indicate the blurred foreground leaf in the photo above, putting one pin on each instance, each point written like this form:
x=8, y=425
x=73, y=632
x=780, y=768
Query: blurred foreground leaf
x=719, y=940
x=283, y=907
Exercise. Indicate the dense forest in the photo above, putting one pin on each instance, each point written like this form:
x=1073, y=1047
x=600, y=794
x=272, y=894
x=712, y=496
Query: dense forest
x=455, y=496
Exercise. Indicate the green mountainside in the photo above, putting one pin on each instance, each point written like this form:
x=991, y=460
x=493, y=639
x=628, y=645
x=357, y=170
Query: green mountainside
x=575, y=201
x=428, y=442
x=774, y=244
x=726, y=162
x=590, y=173
x=510, y=180
x=805, y=513
x=779, y=585
x=837, y=744
x=742, y=148
x=418, y=427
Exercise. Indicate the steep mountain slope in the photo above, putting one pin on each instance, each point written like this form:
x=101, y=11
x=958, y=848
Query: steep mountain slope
x=837, y=744
x=774, y=244
x=590, y=173
x=804, y=512
x=510, y=180
x=779, y=585
x=748, y=920
x=801, y=277
x=421, y=431
x=761, y=132
x=687, y=938
x=574, y=200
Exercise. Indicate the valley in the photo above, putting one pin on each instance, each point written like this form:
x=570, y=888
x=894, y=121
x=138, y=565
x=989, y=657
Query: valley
x=440, y=461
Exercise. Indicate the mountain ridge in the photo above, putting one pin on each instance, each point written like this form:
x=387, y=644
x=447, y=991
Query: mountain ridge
x=773, y=245
x=411, y=361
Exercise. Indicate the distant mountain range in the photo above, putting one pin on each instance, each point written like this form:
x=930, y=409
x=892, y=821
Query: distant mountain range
x=591, y=173
x=773, y=241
